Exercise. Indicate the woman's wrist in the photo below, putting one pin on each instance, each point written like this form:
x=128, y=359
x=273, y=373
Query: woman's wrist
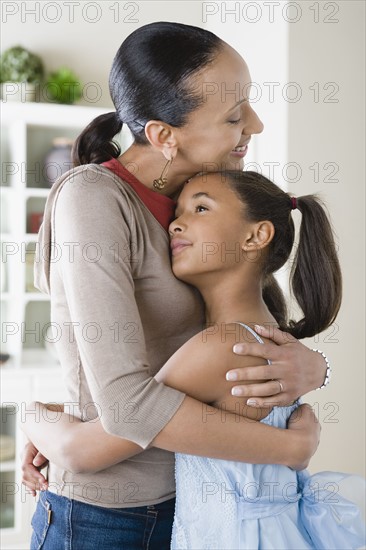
x=326, y=368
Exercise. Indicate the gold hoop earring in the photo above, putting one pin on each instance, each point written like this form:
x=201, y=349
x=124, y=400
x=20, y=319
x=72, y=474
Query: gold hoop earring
x=162, y=181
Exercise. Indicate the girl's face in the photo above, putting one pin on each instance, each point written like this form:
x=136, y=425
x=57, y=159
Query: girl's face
x=208, y=232
x=217, y=134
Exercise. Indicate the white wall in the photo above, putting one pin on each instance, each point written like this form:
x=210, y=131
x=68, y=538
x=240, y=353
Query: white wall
x=282, y=43
x=309, y=58
x=333, y=55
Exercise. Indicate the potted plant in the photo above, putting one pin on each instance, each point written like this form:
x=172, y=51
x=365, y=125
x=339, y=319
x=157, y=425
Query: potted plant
x=21, y=74
x=63, y=86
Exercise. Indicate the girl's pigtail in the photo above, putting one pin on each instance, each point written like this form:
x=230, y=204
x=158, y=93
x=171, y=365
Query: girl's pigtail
x=316, y=278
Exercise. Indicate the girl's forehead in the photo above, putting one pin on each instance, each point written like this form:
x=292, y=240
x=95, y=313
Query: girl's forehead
x=213, y=183
x=204, y=181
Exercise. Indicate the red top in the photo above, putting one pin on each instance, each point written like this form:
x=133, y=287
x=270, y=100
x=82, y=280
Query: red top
x=161, y=207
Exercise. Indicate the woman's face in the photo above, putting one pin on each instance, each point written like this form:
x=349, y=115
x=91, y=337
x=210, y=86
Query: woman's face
x=208, y=232
x=217, y=134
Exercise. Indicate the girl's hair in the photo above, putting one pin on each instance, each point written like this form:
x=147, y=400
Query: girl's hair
x=149, y=80
x=315, y=278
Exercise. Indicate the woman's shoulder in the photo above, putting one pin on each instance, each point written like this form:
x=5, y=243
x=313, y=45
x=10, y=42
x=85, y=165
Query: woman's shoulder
x=91, y=176
x=91, y=186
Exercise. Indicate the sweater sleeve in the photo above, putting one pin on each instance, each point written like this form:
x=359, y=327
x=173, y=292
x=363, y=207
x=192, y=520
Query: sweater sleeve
x=92, y=240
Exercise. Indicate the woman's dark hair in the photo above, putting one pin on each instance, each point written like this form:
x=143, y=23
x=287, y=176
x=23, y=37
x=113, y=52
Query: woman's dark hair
x=149, y=80
x=316, y=279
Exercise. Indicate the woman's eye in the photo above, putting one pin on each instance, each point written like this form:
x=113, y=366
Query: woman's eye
x=235, y=121
x=201, y=208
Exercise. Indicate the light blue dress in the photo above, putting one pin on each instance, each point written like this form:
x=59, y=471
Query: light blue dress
x=223, y=504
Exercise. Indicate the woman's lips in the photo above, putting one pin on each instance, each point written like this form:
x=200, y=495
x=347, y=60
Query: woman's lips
x=240, y=151
x=177, y=245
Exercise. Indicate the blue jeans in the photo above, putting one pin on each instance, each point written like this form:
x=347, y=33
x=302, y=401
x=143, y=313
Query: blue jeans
x=60, y=523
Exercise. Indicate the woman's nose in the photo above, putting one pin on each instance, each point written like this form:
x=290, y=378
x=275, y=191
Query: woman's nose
x=253, y=125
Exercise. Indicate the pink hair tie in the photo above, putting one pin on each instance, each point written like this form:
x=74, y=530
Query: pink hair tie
x=294, y=203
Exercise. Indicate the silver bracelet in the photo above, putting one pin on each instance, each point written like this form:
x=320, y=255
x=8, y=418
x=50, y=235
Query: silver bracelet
x=328, y=371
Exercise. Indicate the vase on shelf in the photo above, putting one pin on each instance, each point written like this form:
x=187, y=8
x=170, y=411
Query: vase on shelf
x=58, y=159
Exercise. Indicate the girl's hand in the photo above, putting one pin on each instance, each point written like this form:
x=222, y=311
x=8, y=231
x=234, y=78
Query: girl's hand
x=294, y=370
x=32, y=462
x=307, y=426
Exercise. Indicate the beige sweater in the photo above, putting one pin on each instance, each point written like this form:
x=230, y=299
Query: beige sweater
x=119, y=314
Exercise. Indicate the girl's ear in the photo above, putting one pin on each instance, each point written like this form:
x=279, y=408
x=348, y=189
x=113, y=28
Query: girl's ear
x=162, y=137
x=259, y=236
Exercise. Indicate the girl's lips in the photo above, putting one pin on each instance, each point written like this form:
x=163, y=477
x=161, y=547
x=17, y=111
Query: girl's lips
x=178, y=245
x=239, y=152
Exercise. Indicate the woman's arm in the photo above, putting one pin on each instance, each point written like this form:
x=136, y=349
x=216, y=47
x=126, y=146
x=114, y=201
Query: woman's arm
x=196, y=428
x=79, y=447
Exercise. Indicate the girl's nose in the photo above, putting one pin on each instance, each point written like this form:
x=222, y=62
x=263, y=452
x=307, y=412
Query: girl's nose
x=174, y=227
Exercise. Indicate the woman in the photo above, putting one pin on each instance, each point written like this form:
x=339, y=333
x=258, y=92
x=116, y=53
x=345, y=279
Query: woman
x=106, y=265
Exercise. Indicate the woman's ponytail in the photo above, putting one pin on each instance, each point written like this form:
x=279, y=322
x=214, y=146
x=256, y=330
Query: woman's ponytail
x=316, y=277
x=95, y=144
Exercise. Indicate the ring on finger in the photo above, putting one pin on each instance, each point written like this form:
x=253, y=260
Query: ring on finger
x=281, y=386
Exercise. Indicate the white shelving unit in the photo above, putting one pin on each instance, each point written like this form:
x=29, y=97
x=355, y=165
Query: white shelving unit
x=32, y=372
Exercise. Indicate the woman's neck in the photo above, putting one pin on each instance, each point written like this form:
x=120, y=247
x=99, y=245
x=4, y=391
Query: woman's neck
x=146, y=165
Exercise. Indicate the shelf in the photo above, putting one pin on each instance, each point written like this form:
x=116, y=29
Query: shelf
x=33, y=371
x=6, y=190
x=49, y=114
x=36, y=297
x=38, y=358
x=29, y=237
x=7, y=466
x=38, y=192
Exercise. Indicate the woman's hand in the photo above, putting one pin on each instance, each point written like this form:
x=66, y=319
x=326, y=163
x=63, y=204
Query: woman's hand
x=305, y=424
x=32, y=462
x=294, y=370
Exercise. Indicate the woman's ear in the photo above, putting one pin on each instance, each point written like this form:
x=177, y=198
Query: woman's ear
x=259, y=236
x=162, y=137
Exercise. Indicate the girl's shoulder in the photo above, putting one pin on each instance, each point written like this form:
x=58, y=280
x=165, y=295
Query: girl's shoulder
x=199, y=367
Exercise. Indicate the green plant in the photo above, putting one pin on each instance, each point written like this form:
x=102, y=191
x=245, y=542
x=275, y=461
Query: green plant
x=63, y=86
x=20, y=65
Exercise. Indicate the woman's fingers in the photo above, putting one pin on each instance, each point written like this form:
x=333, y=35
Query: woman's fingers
x=40, y=461
x=33, y=482
x=249, y=374
x=266, y=351
x=275, y=334
x=304, y=420
x=264, y=394
x=32, y=477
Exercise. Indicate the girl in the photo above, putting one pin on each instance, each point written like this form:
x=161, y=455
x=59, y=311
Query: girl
x=122, y=313
x=223, y=504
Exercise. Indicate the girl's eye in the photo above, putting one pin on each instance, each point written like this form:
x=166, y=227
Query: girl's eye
x=201, y=208
x=235, y=121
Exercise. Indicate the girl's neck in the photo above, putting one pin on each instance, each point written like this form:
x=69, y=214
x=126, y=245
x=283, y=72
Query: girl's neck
x=227, y=302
